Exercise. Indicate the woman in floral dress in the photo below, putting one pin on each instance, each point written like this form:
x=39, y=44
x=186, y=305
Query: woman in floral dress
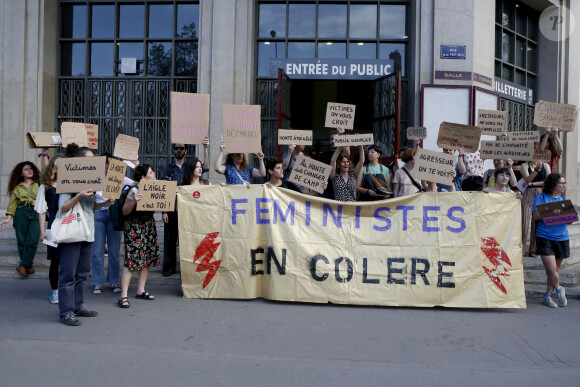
x=141, y=245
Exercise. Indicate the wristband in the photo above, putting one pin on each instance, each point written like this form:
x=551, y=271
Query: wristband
x=44, y=155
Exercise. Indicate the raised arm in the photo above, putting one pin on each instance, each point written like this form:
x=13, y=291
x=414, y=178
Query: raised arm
x=218, y=166
x=460, y=163
x=262, y=172
x=361, y=161
x=513, y=180
x=333, y=163
x=288, y=157
x=205, y=151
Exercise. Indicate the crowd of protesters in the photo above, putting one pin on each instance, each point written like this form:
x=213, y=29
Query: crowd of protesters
x=34, y=205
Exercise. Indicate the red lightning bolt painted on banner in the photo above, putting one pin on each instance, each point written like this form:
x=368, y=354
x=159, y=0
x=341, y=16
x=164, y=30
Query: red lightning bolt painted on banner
x=496, y=255
x=206, y=250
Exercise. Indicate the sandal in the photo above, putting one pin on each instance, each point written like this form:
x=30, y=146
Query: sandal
x=124, y=302
x=145, y=296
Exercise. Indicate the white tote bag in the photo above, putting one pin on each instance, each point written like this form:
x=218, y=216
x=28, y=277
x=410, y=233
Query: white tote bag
x=71, y=227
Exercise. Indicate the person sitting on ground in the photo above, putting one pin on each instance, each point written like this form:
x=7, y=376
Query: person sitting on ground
x=236, y=168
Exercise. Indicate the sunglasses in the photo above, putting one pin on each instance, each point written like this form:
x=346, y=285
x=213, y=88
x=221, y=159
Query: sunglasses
x=179, y=147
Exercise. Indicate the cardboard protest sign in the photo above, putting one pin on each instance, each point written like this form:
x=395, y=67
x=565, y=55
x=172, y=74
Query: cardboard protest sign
x=457, y=136
x=293, y=136
x=559, y=115
x=77, y=174
x=114, y=179
x=529, y=136
x=544, y=156
x=416, y=133
x=126, y=147
x=158, y=195
x=354, y=139
x=92, y=136
x=189, y=117
x=242, y=128
x=558, y=212
x=443, y=249
x=74, y=132
x=339, y=115
x=492, y=122
x=434, y=166
x=310, y=173
x=515, y=150
x=43, y=139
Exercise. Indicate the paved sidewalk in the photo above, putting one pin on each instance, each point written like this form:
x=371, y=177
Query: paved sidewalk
x=176, y=341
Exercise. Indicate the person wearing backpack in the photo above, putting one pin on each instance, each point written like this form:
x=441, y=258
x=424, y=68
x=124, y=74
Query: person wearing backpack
x=105, y=233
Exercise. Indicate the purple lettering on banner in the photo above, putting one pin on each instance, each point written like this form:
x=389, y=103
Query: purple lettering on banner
x=283, y=216
x=260, y=211
x=427, y=218
x=405, y=209
x=382, y=218
x=327, y=209
x=235, y=211
x=560, y=219
x=461, y=222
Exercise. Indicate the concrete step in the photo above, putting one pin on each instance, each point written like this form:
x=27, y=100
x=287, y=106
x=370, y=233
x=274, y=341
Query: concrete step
x=569, y=277
x=538, y=291
x=535, y=263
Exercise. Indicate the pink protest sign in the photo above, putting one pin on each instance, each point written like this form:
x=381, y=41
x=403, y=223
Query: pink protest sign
x=241, y=128
x=189, y=117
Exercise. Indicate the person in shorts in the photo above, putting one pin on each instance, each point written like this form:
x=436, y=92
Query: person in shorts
x=552, y=241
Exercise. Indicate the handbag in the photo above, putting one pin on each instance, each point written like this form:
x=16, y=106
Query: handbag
x=71, y=227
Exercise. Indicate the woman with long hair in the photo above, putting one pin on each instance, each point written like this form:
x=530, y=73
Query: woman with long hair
x=236, y=168
x=47, y=206
x=22, y=189
x=534, y=174
x=552, y=241
x=551, y=141
x=141, y=244
x=192, y=173
x=75, y=257
x=343, y=176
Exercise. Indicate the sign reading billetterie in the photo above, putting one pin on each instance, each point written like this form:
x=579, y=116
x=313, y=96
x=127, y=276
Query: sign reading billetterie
x=241, y=128
x=559, y=115
x=354, y=139
x=77, y=174
x=114, y=179
x=492, y=122
x=189, y=117
x=294, y=136
x=339, y=115
x=457, y=136
x=310, y=173
x=515, y=150
x=158, y=195
x=434, y=166
x=443, y=249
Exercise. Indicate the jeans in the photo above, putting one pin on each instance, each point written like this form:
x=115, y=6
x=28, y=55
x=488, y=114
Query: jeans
x=104, y=231
x=75, y=264
x=27, y=234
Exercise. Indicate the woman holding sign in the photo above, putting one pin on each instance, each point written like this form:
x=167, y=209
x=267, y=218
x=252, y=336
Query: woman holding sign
x=236, y=168
x=141, y=245
x=552, y=241
x=22, y=189
x=343, y=177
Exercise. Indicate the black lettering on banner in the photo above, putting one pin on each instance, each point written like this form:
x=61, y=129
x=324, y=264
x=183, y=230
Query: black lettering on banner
x=414, y=271
x=440, y=283
x=366, y=280
x=392, y=270
x=255, y=261
x=337, y=267
x=272, y=256
x=313, y=263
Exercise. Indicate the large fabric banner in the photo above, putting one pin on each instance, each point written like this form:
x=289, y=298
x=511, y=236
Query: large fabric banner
x=432, y=249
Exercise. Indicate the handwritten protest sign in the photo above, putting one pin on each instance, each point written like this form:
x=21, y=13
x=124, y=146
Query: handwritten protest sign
x=126, y=147
x=77, y=174
x=114, y=179
x=189, y=117
x=339, y=115
x=544, y=156
x=241, y=128
x=43, y=139
x=492, y=122
x=559, y=115
x=515, y=150
x=561, y=212
x=529, y=136
x=298, y=137
x=158, y=195
x=434, y=166
x=416, y=133
x=92, y=136
x=74, y=132
x=457, y=136
x=354, y=139
x=310, y=173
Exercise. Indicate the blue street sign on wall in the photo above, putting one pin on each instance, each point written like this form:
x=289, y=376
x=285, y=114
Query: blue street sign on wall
x=452, y=52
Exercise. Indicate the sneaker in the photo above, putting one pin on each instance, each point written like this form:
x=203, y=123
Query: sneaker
x=116, y=288
x=549, y=302
x=97, y=289
x=562, y=301
x=53, y=297
x=84, y=312
x=70, y=320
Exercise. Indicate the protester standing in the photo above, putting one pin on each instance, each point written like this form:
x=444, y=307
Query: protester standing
x=290, y=158
x=470, y=166
x=375, y=181
x=236, y=168
x=534, y=175
x=404, y=182
x=22, y=189
x=343, y=177
x=193, y=173
x=551, y=140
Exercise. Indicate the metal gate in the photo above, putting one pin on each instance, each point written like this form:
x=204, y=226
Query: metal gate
x=387, y=114
x=135, y=107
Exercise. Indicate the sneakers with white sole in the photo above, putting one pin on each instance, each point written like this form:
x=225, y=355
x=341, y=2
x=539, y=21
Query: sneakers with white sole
x=97, y=289
x=53, y=298
x=116, y=288
x=549, y=302
x=562, y=301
